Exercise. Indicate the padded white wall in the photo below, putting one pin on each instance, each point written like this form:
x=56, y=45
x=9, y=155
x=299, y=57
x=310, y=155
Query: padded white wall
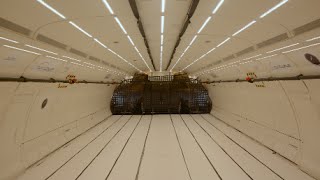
x=28, y=132
x=283, y=115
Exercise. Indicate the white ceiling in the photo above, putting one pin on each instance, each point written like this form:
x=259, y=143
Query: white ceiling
x=94, y=18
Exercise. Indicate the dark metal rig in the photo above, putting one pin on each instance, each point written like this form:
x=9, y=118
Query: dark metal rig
x=160, y=95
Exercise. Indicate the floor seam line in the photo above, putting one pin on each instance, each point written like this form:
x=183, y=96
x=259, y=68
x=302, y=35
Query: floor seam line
x=201, y=148
x=82, y=149
x=103, y=148
x=184, y=159
x=123, y=148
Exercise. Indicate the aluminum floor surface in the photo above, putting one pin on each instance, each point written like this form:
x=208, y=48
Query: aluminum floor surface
x=163, y=147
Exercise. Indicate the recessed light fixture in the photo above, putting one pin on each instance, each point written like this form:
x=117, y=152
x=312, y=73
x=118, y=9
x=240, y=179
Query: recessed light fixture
x=72, y=58
x=19, y=49
x=244, y=28
x=163, y=5
x=119, y=23
x=304, y=47
x=223, y=42
x=101, y=44
x=194, y=38
x=204, y=24
x=283, y=48
x=266, y=57
x=274, y=8
x=41, y=49
x=80, y=29
x=315, y=38
x=162, y=24
x=108, y=6
x=130, y=40
x=57, y=58
x=10, y=40
x=51, y=9
x=217, y=7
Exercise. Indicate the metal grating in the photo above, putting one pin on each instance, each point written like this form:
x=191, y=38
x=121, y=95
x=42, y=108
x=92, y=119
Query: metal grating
x=14, y=27
x=175, y=94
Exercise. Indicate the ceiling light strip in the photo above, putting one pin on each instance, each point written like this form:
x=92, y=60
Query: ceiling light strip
x=162, y=24
x=41, y=49
x=72, y=58
x=315, y=38
x=218, y=7
x=244, y=28
x=283, y=48
x=100, y=43
x=121, y=26
x=10, y=40
x=266, y=57
x=80, y=29
x=204, y=24
x=56, y=58
x=224, y=42
x=19, y=49
x=163, y=6
x=304, y=47
x=108, y=6
x=51, y=9
x=274, y=8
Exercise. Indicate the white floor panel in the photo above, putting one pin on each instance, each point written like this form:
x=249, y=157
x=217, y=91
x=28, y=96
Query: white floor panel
x=164, y=147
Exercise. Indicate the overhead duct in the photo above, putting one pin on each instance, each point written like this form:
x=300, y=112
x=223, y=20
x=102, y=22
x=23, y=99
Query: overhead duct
x=190, y=13
x=135, y=11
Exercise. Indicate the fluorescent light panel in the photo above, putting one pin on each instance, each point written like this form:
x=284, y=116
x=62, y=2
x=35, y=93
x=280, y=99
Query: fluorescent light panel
x=161, y=39
x=101, y=44
x=19, y=49
x=224, y=42
x=304, y=47
x=10, y=40
x=194, y=38
x=315, y=38
x=72, y=58
x=283, y=48
x=51, y=9
x=162, y=24
x=244, y=28
x=217, y=7
x=274, y=8
x=163, y=5
x=108, y=6
x=204, y=24
x=130, y=40
x=40, y=49
x=57, y=58
x=266, y=57
x=119, y=23
x=80, y=29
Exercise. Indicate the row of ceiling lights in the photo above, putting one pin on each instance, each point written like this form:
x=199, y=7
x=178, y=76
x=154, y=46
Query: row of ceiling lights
x=215, y=10
x=95, y=39
x=78, y=62
x=249, y=59
x=163, y=6
x=237, y=32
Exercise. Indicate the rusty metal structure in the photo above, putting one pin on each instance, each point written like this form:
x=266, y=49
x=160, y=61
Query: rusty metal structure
x=175, y=94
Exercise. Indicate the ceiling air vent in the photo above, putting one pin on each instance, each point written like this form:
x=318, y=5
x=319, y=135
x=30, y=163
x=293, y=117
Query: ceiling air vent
x=245, y=51
x=307, y=27
x=273, y=40
x=228, y=58
x=79, y=53
x=94, y=59
x=14, y=27
x=50, y=41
